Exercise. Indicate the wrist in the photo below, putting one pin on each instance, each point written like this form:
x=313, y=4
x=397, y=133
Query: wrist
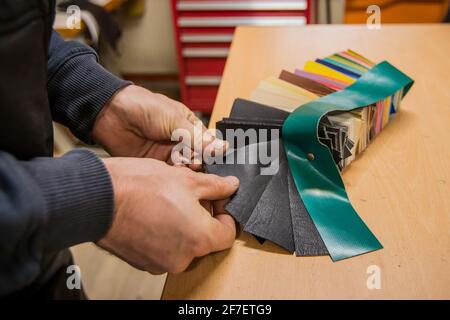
x=111, y=165
x=111, y=115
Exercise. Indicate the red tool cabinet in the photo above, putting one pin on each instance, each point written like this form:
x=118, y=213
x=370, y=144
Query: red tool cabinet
x=203, y=33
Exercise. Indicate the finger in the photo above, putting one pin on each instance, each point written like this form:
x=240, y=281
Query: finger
x=217, y=147
x=207, y=205
x=219, y=206
x=196, y=131
x=160, y=151
x=212, y=187
x=201, y=140
x=222, y=232
x=178, y=160
x=195, y=166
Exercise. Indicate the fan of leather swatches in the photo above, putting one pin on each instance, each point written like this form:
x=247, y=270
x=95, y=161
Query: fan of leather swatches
x=267, y=206
x=321, y=118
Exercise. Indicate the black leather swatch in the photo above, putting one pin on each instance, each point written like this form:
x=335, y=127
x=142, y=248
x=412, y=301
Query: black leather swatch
x=244, y=202
x=233, y=124
x=267, y=206
x=306, y=237
x=271, y=218
x=252, y=110
x=252, y=184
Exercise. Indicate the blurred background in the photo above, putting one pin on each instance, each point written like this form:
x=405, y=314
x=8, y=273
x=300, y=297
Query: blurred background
x=179, y=48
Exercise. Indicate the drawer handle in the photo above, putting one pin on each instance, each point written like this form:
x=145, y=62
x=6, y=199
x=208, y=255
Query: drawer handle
x=202, y=80
x=199, y=38
x=241, y=5
x=235, y=21
x=205, y=52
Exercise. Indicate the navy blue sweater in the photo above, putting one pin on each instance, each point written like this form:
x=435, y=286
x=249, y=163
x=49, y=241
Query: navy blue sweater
x=48, y=204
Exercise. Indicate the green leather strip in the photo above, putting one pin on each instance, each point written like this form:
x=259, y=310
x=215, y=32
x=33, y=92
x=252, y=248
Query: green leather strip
x=318, y=181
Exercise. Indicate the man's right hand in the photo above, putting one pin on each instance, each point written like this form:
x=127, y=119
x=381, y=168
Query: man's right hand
x=159, y=224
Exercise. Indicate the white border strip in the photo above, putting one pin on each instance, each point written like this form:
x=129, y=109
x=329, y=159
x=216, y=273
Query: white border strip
x=205, y=52
x=236, y=21
x=202, y=80
x=199, y=38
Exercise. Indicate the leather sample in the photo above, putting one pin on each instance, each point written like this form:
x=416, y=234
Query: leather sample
x=304, y=207
x=342, y=70
x=320, y=69
x=247, y=114
x=326, y=81
x=317, y=178
x=305, y=83
x=245, y=200
x=248, y=109
x=273, y=200
x=306, y=237
x=267, y=206
x=271, y=218
x=252, y=184
x=358, y=69
x=246, y=124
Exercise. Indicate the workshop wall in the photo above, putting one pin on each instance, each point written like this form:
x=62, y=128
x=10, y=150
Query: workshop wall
x=147, y=45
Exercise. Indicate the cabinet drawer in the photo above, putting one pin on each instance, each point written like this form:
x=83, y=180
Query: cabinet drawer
x=201, y=98
x=233, y=21
x=204, y=31
x=202, y=80
x=191, y=37
x=205, y=52
x=235, y=5
x=204, y=66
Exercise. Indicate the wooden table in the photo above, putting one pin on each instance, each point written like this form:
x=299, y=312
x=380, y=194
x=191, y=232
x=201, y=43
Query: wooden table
x=400, y=185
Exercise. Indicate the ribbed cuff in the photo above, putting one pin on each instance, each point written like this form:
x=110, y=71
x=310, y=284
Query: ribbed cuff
x=79, y=90
x=78, y=194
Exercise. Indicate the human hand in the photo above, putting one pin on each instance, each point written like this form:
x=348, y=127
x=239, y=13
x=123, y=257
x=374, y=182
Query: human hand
x=139, y=123
x=159, y=223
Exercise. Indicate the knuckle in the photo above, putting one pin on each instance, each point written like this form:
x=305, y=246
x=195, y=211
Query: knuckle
x=186, y=172
x=217, y=183
x=190, y=178
x=178, y=116
x=159, y=96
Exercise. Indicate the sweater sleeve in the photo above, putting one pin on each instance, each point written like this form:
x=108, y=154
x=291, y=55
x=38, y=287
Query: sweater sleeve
x=78, y=86
x=47, y=204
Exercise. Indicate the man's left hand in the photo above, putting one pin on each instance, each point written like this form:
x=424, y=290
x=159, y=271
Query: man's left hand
x=139, y=123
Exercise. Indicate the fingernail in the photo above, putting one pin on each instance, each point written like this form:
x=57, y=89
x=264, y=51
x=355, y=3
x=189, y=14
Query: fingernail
x=219, y=144
x=208, y=136
x=233, y=181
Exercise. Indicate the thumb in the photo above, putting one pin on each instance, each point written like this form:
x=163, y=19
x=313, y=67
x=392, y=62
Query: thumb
x=213, y=187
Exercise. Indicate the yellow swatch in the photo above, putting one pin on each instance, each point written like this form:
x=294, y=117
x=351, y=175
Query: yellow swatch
x=322, y=70
x=386, y=111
